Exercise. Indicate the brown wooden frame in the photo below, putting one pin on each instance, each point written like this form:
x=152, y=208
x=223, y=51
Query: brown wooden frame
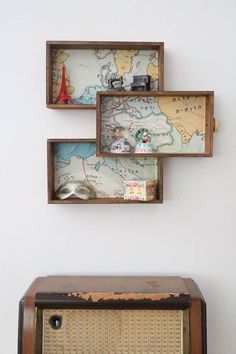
x=96, y=45
x=209, y=125
x=51, y=193
x=139, y=292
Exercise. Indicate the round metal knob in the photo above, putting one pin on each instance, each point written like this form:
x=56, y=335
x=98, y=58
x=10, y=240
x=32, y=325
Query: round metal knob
x=55, y=322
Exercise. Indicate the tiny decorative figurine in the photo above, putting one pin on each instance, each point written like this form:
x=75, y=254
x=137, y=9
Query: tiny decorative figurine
x=140, y=190
x=141, y=83
x=120, y=145
x=64, y=97
x=143, y=141
x=75, y=189
x=116, y=84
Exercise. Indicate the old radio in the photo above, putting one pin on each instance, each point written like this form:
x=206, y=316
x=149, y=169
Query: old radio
x=112, y=315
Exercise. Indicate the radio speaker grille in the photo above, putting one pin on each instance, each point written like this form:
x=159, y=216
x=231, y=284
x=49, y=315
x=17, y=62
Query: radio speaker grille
x=114, y=332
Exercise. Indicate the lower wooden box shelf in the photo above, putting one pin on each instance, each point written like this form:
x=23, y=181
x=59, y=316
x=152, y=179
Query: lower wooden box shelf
x=72, y=160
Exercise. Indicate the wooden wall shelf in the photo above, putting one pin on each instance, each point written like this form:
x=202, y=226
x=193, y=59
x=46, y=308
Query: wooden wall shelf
x=89, y=65
x=75, y=159
x=149, y=125
x=180, y=123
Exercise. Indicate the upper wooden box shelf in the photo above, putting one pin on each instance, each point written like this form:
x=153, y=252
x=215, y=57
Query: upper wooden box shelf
x=155, y=124
x=77, y=70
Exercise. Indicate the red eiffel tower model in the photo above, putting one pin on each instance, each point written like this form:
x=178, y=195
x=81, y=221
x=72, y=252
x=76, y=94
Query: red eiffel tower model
x=64, y=97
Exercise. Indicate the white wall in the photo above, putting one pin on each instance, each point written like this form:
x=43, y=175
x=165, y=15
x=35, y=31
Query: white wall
x=192, y=233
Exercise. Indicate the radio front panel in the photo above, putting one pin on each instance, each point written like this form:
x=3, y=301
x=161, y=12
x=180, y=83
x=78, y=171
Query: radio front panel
x=76, y=331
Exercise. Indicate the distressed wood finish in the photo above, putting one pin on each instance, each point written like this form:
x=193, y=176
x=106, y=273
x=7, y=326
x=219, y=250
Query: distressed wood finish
x=74, y=292
x=97, y=45
x=51, y=192
x=209, y=120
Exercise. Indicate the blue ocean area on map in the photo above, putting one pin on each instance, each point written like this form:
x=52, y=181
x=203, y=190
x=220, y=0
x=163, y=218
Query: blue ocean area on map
x=89, y=95
x=66, y=150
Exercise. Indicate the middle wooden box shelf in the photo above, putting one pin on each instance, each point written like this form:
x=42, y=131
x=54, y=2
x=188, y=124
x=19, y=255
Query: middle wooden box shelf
x=155, y=124
x=74, y=160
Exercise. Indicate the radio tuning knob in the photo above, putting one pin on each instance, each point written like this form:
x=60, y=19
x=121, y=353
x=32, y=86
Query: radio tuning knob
x=55, y=321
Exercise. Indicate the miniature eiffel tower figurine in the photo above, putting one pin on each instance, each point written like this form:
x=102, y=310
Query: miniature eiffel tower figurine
x=64, y=97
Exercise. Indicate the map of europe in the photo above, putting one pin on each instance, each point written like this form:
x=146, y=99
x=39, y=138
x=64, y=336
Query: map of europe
x=176, y=124
x=88, y=70
x=78, y=162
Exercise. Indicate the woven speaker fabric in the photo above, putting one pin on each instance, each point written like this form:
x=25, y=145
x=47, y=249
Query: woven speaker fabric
x=114, y=332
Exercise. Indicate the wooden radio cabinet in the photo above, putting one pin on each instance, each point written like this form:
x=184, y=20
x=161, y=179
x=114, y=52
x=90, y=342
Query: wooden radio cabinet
x=112, y=315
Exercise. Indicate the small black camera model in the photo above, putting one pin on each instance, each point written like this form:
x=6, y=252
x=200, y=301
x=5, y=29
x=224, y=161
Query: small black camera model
x=141, y=83
x=116, y=84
